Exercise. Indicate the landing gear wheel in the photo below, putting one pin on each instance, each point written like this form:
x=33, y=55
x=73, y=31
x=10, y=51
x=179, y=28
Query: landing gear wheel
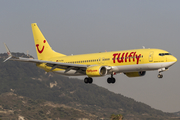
x=160, y=76
x=111, y=80
x=88, y=80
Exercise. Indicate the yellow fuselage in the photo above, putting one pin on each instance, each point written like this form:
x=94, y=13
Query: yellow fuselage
x=121, y=61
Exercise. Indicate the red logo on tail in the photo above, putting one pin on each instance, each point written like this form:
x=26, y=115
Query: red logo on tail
x=37, y=45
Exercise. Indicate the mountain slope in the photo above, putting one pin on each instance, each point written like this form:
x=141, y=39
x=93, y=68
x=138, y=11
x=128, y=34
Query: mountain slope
x=25, y=79
x=13, y=106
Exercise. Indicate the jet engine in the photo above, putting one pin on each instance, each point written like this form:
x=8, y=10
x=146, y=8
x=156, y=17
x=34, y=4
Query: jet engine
x=95, y=71
x=135, y=74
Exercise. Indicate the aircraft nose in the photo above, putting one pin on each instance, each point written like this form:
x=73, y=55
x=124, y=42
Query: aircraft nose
x=173, y=59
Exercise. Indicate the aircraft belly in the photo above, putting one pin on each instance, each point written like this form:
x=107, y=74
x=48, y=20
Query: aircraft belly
x=131, y=68
x=142, y=67
x=155, y=66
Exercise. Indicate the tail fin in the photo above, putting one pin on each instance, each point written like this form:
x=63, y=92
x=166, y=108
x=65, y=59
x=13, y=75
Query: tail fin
x=43, y=49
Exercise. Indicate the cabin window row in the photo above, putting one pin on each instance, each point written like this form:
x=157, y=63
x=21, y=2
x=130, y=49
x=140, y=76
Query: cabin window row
x=85, y=61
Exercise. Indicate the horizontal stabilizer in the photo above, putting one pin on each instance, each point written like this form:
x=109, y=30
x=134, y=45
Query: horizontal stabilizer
x=9, y=53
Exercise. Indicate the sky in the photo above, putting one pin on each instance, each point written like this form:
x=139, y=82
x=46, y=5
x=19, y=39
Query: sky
x=89, y=26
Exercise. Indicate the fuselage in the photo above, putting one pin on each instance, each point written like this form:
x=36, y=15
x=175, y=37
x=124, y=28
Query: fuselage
x=121, y=61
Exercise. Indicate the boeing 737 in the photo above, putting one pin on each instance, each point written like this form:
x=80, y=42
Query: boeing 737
x=133, y=63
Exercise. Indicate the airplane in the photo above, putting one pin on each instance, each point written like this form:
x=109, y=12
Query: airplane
x=133, y=63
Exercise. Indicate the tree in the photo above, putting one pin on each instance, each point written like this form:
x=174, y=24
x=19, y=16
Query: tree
x=116, y=117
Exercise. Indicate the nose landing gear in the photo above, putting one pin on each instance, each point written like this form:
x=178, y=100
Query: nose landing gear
x=160, y=75
x=161, y=70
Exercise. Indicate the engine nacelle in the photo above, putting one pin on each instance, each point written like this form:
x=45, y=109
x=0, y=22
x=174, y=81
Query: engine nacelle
x=135, y=74
x=95, y=71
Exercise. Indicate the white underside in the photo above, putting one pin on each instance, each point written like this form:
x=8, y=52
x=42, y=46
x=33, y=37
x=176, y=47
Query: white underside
x=142, y=67
x=125, y=68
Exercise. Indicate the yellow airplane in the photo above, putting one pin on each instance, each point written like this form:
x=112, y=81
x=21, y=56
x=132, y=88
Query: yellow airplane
x=132, y=63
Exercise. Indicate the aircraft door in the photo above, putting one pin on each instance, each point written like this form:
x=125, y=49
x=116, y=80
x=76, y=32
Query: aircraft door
x=151, y=56
x=101, y=60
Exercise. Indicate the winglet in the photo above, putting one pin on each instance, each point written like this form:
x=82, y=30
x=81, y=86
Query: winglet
x=8, y=52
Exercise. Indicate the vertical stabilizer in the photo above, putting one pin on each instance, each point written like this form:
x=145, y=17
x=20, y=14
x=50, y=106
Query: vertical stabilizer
x=43, y=49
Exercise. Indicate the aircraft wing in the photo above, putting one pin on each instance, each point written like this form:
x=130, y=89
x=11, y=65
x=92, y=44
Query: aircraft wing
x=66, y=66
x=52, y=64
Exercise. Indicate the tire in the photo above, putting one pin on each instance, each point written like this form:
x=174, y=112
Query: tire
x=160, y=76
x=109, y=80
x=86, y=80
x=90, y=80
x=113, y=80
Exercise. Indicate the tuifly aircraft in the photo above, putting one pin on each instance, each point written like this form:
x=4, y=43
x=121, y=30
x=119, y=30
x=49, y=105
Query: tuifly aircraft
x=133, y=63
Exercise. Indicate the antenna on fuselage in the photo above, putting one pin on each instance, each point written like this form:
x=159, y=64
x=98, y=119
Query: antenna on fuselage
x=28, y=53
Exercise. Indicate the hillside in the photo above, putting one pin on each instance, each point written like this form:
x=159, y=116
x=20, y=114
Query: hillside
x=87, y=100
x=13, y=107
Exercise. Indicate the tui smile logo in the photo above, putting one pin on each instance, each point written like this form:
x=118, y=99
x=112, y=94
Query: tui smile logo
x=37, y=46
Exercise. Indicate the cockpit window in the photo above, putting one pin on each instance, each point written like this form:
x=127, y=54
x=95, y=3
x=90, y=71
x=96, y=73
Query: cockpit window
x=162, y=54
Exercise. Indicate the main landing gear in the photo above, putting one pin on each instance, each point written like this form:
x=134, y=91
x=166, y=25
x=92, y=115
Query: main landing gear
x=111, y=79
x=88, y=80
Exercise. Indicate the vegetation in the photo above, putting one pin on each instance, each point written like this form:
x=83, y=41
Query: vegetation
x=13, y=106
x=73, y=99
x=116, y=117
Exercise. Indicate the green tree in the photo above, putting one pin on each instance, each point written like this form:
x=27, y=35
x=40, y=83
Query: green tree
x=116, y=117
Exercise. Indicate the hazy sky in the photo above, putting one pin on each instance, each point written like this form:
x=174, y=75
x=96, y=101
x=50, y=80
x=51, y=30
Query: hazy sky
x=88, y=26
